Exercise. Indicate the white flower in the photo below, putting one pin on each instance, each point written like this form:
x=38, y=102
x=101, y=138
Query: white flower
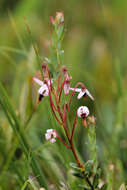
x=43, y=90
x=83, y=111
x=51, y=135
x=82, y=92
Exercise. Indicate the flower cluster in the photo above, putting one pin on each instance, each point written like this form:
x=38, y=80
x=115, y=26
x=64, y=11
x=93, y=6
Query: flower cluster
x=47, y=88
x=57, y=89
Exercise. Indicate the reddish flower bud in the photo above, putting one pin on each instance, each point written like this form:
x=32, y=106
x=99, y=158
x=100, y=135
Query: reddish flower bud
x=59, y=17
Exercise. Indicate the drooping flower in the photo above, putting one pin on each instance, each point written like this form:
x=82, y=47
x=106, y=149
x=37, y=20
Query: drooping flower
x=67, y=84
x=51, y=135
x=83, y=112
x=82, y=93
x=67, y=79
x=43, y=90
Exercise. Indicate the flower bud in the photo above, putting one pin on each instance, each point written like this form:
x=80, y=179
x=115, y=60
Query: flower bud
x=92, y=120
x=44, y=69
x=59, y=17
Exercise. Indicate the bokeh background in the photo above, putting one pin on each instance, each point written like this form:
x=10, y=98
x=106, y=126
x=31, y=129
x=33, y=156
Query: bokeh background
x=95, y=45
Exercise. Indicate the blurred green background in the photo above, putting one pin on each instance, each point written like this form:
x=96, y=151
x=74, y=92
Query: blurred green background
x=95, y=47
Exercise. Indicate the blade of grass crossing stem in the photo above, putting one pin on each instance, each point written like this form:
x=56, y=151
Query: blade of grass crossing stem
x=16, y=126
x=35, y=48
x=16, y=31
x=24, y=185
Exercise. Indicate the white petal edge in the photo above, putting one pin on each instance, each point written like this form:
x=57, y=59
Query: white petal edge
x=76, y=89
x=49, y=130
x=80, y=95
x=38, y=81
x=47, y=136
x=88, y=93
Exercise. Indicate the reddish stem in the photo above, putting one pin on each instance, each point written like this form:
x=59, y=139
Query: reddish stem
x=67, y=146
x=49, y=77
x=60, y=113
x=53, y=106
x=65, y=113
x=74, y=125
x=58, y=86
x=76, y=156
x=78, y=84
x=62, y=86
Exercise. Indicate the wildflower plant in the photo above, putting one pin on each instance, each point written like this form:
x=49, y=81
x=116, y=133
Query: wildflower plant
x=56, y=86
x=54, y=83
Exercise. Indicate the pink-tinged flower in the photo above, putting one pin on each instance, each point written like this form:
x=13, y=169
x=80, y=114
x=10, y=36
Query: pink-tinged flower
x=51, y=135
x=43, y=90
x=67, y=84
x=82, y=93
x=64, y=70
x=59, y=18
x=83, y=112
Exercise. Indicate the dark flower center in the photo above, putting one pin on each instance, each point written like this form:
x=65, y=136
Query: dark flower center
x=40, y=97
x=83, y=115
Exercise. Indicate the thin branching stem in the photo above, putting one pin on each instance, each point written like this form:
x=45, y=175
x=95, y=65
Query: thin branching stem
x=74, y=125
x=78, y=84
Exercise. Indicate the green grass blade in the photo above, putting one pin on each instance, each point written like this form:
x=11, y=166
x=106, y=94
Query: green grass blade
x=16, y=126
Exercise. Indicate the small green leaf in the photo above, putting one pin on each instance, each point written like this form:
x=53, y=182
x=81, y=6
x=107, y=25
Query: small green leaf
x=74, y=165
x=96, y=181
x=88, y=165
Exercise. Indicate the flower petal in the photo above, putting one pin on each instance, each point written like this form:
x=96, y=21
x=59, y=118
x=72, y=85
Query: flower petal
x=52, y=140
x=76, y=89
x=66, y=89
x=88, y=93
x=47, y=136
x=38, y=81
x=43, y=90
x=49, y=130
x=80, y=95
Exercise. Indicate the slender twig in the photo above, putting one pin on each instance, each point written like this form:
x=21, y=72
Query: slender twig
x=61, y=89
x=74, y=125
x=52, y=105
x=58, y=86
x=67, y=146
x=78, y=84
x=60, y=113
